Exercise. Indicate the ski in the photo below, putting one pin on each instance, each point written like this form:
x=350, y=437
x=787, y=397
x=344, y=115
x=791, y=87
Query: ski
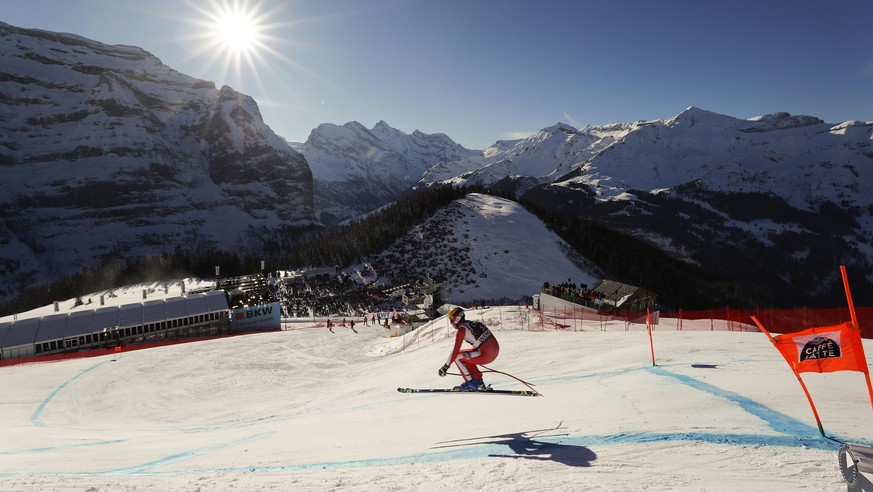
x=486, y=392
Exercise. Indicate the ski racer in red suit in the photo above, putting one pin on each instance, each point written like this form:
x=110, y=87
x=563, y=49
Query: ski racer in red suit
x=485, y=349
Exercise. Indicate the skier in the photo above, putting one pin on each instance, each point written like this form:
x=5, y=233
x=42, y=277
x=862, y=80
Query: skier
x=485, y=349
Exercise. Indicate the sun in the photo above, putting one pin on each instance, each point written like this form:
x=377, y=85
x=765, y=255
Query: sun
x=236, y=30
x=241, y=42
x=232, y=37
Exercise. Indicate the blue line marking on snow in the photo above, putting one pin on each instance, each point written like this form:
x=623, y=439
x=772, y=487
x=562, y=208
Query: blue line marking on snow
x=48, y=449
x=792, y=433
x=472, y=451
x=777, y=421
x=138, y=470
x=35, y=417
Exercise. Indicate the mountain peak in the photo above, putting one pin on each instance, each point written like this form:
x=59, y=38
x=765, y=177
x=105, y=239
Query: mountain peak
x=561, y=127
x=352, y=125
x=378, y=164
x=693, y=116
x=695, y=112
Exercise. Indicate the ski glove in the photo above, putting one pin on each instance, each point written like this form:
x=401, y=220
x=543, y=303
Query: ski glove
x=444, y=370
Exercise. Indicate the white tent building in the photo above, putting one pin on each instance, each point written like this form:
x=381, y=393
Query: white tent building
x=57, y=333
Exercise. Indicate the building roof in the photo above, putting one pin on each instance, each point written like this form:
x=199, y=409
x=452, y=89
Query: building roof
x=58, y=326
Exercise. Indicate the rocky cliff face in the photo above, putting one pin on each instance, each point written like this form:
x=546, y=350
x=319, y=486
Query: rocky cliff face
x=105, y=150
x=357, y=170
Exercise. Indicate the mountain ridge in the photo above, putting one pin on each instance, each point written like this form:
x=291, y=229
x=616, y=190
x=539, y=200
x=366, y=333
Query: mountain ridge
x=357, y=170
x=106, y=151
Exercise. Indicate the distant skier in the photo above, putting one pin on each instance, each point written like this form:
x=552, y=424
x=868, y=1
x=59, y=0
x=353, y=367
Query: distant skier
x=485, y=349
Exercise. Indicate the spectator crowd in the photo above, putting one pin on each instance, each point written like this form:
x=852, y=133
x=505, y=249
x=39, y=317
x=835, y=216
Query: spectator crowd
x=580, y=294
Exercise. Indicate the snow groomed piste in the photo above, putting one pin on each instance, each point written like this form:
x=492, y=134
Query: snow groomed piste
x=310, y=409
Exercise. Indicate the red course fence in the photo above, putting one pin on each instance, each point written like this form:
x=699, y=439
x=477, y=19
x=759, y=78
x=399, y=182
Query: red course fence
x=726, y=318
x=782, y=320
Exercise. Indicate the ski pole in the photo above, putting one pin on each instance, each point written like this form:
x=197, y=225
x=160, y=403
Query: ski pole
x=529, y=385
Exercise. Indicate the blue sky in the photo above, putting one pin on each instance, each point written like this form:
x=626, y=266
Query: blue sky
x=486, y=70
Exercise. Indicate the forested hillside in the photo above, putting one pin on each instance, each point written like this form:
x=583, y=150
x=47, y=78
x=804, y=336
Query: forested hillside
x=620, y=256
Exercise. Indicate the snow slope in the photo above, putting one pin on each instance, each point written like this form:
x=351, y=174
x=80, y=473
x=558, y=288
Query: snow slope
x=313, y=410
x=484, y=247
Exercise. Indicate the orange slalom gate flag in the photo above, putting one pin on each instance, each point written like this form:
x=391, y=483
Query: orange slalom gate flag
x=823, y=349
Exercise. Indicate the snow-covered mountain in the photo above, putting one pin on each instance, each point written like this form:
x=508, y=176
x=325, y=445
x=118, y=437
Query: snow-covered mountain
x=779, y=153
x=356, y=170
x=544, y=156
x=105, y=150
x=777, y=201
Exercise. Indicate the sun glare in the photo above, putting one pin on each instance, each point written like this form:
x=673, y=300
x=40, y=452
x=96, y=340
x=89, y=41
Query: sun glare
x=233, y=36
x=240, y=40
x=236, y=31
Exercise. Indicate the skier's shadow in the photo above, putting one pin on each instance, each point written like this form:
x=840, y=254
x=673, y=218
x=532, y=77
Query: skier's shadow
x=524, y=445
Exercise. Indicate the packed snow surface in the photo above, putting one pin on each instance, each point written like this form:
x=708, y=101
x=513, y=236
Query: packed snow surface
x=308, y=409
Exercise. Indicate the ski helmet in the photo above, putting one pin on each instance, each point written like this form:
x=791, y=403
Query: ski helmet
x=456, y=315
